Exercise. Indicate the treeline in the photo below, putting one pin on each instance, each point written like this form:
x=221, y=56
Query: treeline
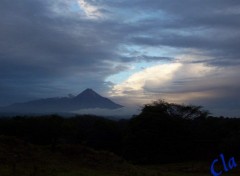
x=162, y=133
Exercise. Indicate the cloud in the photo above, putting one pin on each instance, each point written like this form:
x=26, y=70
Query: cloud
x=183, y=83
x=52, y=48
x=161, y=74
x=47, y=54
x=176, y=24
x=91, y=11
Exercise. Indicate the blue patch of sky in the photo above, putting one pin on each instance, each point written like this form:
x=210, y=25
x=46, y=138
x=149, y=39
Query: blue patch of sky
x=141, y=63
x=74, y=6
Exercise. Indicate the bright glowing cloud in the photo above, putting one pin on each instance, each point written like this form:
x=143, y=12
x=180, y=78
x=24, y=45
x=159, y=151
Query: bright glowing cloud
x=90, y=10
x=160, y=73
x=179, y=82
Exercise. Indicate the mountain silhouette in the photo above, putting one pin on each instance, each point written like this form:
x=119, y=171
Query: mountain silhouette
x=86, y=100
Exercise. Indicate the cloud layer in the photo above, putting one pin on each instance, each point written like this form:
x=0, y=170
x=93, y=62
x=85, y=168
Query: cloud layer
x=52, y=48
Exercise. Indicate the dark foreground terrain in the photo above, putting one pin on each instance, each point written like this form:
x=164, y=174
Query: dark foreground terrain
x=164, y=139
x=22, y=159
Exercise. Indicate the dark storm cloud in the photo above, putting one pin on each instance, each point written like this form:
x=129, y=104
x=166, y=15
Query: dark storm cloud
x=210, y=26
x=139, y=58
x=191, y=41
x=39, y=46
x=49, y=49
x=40, y=51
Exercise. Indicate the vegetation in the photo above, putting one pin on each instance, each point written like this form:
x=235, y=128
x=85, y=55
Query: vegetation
x=147, y=144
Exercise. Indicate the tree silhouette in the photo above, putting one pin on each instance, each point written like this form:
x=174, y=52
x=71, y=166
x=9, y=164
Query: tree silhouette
x=174, y=110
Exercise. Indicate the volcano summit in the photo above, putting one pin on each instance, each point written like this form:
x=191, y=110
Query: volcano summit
x=88, y=99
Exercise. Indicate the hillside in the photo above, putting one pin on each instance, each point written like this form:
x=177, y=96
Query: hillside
x=77, y=160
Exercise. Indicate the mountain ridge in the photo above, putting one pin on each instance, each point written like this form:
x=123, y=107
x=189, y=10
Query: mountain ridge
x=85, y=100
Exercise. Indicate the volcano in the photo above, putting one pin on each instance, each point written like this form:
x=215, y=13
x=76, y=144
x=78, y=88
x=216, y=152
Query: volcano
x=87, y=99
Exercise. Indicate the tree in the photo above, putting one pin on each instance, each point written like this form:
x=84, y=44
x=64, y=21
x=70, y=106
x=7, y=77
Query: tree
x=174, y=110
x=162, y=133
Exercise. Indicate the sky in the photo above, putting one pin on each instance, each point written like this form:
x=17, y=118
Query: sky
x=134, y=51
